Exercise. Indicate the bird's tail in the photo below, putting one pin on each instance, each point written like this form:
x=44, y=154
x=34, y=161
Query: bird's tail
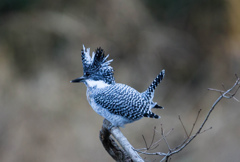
x=150, y=91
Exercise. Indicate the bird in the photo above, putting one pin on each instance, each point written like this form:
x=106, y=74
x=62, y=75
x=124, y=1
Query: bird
x=119, y=103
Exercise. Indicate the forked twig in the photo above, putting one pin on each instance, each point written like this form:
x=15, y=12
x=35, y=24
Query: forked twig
x=151, y=144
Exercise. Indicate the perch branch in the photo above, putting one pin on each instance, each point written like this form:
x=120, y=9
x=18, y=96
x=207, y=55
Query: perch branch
x=111, y=146
x=125, y=153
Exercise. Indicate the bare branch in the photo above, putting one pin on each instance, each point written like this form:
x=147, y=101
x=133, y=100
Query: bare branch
x=205, y=120
x=111, y=146
x=127, y=153
x=122, y=140
x=224, y=94
x=153, y=153
x=217, y=90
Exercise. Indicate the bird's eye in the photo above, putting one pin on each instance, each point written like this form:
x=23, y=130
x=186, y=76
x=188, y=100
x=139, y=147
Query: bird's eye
x=87, y=74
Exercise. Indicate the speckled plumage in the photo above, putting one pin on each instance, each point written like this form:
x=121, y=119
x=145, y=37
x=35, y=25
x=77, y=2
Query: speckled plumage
x=118, y=103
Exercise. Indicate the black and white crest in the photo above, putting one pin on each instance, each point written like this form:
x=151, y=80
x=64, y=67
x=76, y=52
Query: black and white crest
x=97, y=64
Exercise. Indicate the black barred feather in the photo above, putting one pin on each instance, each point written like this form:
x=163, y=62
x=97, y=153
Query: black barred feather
x=151, y=115
x=99, y=57
x=122, y=100
x=156, y=81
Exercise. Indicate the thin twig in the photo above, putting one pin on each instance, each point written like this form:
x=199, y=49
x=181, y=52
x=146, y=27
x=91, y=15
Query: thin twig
x=150, y=146
x=223, y=87
x=156, y=143
x=162, y=133
x=205, y=130
x=194, y=123
x=152, y=153
x=145, y=141
x=153, y=137
x=183, y=126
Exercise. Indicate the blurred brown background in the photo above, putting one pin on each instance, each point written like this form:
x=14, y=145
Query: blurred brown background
x=44, y=118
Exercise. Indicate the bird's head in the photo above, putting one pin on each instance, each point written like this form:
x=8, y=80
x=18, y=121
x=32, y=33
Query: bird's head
x=96, y=69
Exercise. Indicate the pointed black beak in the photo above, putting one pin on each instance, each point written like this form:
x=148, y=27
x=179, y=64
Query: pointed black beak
x=80, y=79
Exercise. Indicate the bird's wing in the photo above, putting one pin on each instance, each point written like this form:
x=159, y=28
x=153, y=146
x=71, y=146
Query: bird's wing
x=122, y=100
